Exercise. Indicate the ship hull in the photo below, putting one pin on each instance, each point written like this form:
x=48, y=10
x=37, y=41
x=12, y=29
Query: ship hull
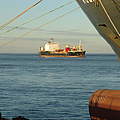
x=47, y=56
x=105, y=16
x=69, y=54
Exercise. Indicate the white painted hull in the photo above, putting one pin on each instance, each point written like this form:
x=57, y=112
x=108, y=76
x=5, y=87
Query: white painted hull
x=105, y=16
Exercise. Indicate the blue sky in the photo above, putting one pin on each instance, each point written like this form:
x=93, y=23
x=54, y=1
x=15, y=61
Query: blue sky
x=68, y=30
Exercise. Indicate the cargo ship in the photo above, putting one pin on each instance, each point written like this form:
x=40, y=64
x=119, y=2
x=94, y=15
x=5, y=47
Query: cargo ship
x=52, y=49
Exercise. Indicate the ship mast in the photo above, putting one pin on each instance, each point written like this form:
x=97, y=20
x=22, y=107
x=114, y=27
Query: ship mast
x=80, y=45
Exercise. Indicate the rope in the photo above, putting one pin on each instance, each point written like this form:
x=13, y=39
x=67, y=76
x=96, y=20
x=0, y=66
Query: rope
x=13, y=19
x=45, y=14
x=25, y=34
x=109, y=17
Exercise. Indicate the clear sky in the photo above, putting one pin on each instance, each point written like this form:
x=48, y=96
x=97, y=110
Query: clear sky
x=67, y=30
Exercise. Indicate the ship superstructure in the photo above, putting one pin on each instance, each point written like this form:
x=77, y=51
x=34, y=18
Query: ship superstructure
x=52, y=49
x=105, y=16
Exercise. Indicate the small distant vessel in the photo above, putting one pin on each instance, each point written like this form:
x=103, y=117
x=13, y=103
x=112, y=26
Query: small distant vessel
x=52, y=49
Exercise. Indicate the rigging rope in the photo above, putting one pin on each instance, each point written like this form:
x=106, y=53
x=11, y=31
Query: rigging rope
x=45, y=14
x=25, y=34
x=13, y=19
x=49, y=22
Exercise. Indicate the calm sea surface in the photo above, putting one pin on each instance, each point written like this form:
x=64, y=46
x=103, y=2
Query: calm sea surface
x=53, y=88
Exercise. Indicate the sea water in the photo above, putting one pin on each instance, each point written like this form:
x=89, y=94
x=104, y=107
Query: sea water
x=54, y=88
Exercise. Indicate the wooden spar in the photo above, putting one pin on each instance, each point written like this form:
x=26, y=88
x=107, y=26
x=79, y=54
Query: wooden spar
x=105, y=105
